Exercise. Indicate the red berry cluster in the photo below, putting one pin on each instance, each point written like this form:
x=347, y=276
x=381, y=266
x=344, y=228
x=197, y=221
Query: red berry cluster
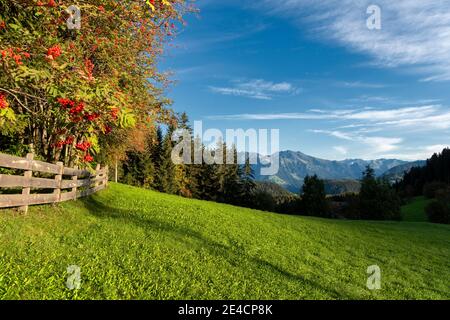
x=114, y=113
x=91, y=116
x=62, y=143
x=16, y=54
x=88, y=158
x=3, y=102
x=108, y=129
x=50, y=3
x=54, y=52
x=77, y=109
x=69, y=140
x=65, y=103
x=83, y=146
x=89, y=69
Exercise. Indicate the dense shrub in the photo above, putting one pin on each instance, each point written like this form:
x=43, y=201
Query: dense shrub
x=263, y=200
x=430, y=189
x=438, y=212
x=350, y=208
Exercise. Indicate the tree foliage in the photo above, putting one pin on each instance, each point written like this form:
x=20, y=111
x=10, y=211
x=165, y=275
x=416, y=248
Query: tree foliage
x=314, y=201
x=153, y=168
x=421, y=179
x=65, y=91
x=377, y=199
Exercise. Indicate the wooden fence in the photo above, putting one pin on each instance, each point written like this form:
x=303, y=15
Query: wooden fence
x=67, y=183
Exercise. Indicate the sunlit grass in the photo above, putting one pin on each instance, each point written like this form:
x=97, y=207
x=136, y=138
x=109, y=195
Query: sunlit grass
x=136, y=244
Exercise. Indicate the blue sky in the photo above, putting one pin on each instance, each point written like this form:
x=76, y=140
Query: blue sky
x=313, y=69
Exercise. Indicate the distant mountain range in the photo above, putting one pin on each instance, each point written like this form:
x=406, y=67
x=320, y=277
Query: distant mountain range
x=396, y=173
x=340, y=176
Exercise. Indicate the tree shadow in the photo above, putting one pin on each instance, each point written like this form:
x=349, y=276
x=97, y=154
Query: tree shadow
x=231, y=254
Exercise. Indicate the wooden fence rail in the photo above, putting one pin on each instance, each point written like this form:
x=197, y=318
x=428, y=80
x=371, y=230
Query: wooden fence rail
x=67, y=184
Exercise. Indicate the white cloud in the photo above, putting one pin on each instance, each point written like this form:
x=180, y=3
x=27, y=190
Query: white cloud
x=224, y=38
x=340, y=149
x=257, y=89
x=429, y=117
x=241, y=93
x=377, y=145
x=359, y=84
x=336, y=134
x=420, y=153
x=415, y=33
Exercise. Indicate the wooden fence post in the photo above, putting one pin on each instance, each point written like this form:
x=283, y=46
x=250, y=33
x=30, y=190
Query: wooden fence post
x=116, y=174
x=75, y=181
x=106, y=176
x=28, y=175
x=97, y=175
x=58, y=179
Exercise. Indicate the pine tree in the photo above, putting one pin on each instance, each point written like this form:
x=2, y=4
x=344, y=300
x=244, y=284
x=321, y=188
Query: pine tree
x=248, y=183
x=167, y=172
x=195, y=170
x=183, y=172
x=314, y=201
x=221, y=172
x=156, y=157
x=149, y=166
x=184, y=122
x=436, y=170
x=377, y=199
x=233, y=189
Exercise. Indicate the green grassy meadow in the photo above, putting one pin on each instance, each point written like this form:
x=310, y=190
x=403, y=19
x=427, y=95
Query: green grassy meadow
x=132, y=243
x=414, y=211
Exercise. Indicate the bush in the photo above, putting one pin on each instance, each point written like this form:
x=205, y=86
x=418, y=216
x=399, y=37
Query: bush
x=438, y=212
x=430, y=189
x=443, y=194
x=264, y=201
x=351, y=209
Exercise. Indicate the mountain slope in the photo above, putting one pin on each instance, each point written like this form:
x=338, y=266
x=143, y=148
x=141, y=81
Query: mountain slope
x=295, y=166
x=396, y=173
x=132, y=243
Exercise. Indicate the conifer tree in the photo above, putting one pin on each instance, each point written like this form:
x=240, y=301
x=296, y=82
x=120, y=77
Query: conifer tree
x=183, y=172
x=156, y=157
x=314, y=201
x=168, y=184
x=195, y=169
x=248, y=182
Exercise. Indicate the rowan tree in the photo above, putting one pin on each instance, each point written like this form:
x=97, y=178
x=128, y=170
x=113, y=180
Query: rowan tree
x=64, y=89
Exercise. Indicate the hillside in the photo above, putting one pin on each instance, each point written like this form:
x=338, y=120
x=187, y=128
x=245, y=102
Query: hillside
x=132, y=243
x=338, y=187
x=295, y=166
x=396, y=173
x=414, y=210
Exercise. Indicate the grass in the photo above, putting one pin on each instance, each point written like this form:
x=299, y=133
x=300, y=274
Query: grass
x=414, y=211
x=136, y=244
